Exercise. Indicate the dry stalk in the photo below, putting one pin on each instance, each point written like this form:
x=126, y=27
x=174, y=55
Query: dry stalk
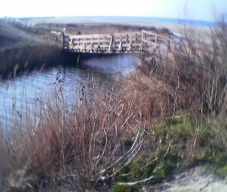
x=136, y=182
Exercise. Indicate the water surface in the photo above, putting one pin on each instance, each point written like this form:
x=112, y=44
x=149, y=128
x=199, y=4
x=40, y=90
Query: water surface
x=22, y=94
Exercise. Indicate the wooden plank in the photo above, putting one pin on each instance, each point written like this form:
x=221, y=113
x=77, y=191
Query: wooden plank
x=115, y=44
x=107, y=46
x=104, y=39
x=114, y=39
x=104, y=35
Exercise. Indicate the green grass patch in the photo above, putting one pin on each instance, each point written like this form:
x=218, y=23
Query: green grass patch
x=175, y=145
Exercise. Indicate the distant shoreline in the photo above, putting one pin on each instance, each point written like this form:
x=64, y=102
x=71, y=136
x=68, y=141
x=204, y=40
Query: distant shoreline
x=121, y=19
x=174, y=25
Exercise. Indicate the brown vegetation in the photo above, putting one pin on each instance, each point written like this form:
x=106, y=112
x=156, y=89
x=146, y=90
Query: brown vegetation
x=105, y=138
x=27, y=52
x=192, y=76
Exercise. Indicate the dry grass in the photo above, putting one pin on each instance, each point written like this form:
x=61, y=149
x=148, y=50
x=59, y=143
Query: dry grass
x=103, y=28
x=190, y=76
x=21, y=51
x=78, y=145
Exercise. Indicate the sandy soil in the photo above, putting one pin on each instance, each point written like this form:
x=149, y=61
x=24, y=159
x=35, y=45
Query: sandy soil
x=199, y=178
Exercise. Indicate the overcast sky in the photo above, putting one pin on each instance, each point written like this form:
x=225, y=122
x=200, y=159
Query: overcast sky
x=190, y=9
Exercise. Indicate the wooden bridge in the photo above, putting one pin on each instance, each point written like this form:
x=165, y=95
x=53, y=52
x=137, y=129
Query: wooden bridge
x=130, y=42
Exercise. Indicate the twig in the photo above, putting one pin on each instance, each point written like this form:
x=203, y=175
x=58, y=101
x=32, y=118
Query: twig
x=167, y=151
x=124, y=175
x=136, y=182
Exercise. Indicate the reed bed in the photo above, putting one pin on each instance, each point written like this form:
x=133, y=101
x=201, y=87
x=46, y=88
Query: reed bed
x=25, y=52
x=77, y=144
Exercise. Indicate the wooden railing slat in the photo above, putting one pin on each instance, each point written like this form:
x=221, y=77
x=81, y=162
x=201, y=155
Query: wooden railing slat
x=116, y=42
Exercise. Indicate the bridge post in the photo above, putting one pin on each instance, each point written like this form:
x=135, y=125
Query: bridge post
x=127, y=38
x=92, y=45
x=130, y=44
x=110, y=44
x=143, y=36
x=63, y=40
x=120, y=45
x=71, y=43
x=141, y=46
x=98, y=47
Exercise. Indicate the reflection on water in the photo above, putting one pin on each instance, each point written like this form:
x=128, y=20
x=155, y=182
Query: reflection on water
x=114, y=63
x=25, y=91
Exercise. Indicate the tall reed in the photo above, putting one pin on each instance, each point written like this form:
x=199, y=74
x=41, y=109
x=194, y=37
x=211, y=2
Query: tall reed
x=79, y=143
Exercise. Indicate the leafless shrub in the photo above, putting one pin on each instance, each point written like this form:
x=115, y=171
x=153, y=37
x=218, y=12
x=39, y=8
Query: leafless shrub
x=192, y=74
x=76, y=145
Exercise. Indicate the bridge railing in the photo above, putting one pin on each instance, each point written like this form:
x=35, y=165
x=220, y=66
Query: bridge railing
x=108, y=43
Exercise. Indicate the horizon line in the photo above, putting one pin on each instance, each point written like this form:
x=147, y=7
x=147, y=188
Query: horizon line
x=153, y=17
